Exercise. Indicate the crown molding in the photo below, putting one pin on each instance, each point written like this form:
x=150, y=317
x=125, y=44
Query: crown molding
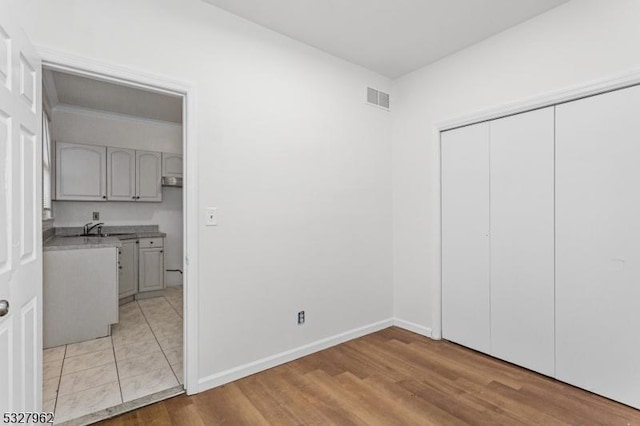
x=90, y=112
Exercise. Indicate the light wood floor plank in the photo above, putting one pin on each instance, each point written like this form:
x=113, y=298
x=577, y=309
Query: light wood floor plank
x=392, y=377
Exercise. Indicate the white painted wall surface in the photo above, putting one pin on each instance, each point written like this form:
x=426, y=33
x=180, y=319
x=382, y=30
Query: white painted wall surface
x=77, y=125
x=296, y=162
x=578, y=42
x=95, y=128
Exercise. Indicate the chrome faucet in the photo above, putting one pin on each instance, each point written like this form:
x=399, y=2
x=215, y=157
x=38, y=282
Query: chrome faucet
x=89, y=227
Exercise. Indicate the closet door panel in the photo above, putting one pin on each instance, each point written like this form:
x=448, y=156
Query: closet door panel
x=465, y=236
x=598, y=244
x=522, y=239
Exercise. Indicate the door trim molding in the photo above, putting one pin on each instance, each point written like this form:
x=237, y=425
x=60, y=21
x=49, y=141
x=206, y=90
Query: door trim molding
x=125, y=75
x=595, y=87
x=554, y=97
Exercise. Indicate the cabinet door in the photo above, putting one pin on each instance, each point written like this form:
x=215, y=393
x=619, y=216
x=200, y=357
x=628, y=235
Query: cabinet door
x=128, y=268
x=465, y=236
x=81, y=172
x=148, y=176
x=171, y=165
x=522, y=240
x=121, y=174
x=151, y=269
x=598, y=244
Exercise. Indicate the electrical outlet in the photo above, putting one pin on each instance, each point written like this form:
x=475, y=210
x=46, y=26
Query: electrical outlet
x=300, y=317
x=211, y=216
x=96, y=215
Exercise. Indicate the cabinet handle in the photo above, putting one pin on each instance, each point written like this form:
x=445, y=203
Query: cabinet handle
x=104, y=197
x=119, y=267
x=133, y=197
x=150, y=242
x=161, y=251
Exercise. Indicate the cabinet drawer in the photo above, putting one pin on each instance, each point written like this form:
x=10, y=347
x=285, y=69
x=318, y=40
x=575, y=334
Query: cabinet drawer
x=151, y=242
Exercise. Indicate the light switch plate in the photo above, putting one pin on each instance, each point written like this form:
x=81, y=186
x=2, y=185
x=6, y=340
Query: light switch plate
x=211, y=216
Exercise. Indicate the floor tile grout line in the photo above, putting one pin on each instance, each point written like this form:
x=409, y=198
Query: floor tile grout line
x=55, y=403
x=85, y=353
x=171, y=304
x=142, y=374
x=88, y=389
x=155, y=334
x=182, y=317
x=85, y=369
x=156, y=337
x=173, y=307
x=115, y=360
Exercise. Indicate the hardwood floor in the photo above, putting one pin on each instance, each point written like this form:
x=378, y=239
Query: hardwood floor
x=392, y=377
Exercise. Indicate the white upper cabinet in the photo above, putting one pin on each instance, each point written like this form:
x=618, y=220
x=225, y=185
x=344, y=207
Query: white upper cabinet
x=81, y=172
x=465, y=236
x=148, y=176
x=98, y=173
x=522, y=239
x=121, y=174
x=171, y=165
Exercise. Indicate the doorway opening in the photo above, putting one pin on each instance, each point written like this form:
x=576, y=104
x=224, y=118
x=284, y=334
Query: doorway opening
x=115, y=202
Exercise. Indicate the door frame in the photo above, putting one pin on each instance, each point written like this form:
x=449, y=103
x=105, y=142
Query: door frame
x=554, y=97
x=72, y=64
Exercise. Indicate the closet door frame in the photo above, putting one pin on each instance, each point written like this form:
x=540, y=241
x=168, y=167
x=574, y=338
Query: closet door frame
x=543, y=100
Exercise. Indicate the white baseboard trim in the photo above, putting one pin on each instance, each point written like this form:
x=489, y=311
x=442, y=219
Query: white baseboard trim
x=413, y=327
x=245, y=370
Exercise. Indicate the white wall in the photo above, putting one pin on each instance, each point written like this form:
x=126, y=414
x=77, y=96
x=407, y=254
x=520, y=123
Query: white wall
x=75, y=125
x=296, y=162
x=78, y=125
x=578, y=42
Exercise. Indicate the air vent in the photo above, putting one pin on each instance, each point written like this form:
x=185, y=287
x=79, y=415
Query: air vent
x=377, y=98
x=372, y=96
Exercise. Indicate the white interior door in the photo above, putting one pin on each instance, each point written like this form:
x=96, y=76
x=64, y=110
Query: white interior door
x=598, y=244
x=465, y=236
x=522, y=240
x=20, y=224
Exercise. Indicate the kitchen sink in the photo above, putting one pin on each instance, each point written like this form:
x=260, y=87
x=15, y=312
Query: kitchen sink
x=105, y=234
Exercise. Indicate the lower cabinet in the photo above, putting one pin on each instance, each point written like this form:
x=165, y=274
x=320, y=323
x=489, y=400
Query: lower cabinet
x=80, y=295
x=151, y=269
x=141, y=266
x=128, y=268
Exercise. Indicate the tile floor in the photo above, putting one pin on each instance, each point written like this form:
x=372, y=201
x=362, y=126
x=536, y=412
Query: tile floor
x=142, y=356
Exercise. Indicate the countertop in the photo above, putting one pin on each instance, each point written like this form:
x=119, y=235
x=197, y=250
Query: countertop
x=62, y=242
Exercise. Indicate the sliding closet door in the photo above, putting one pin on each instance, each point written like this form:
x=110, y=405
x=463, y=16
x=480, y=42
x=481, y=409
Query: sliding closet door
x=522, y=241
x=465, y=236
x=598, y=244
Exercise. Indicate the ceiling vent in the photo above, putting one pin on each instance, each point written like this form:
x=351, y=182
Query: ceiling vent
x=377, y=98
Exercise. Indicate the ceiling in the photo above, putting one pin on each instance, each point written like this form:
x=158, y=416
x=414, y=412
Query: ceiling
x=73, y=90
x=391, y=37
